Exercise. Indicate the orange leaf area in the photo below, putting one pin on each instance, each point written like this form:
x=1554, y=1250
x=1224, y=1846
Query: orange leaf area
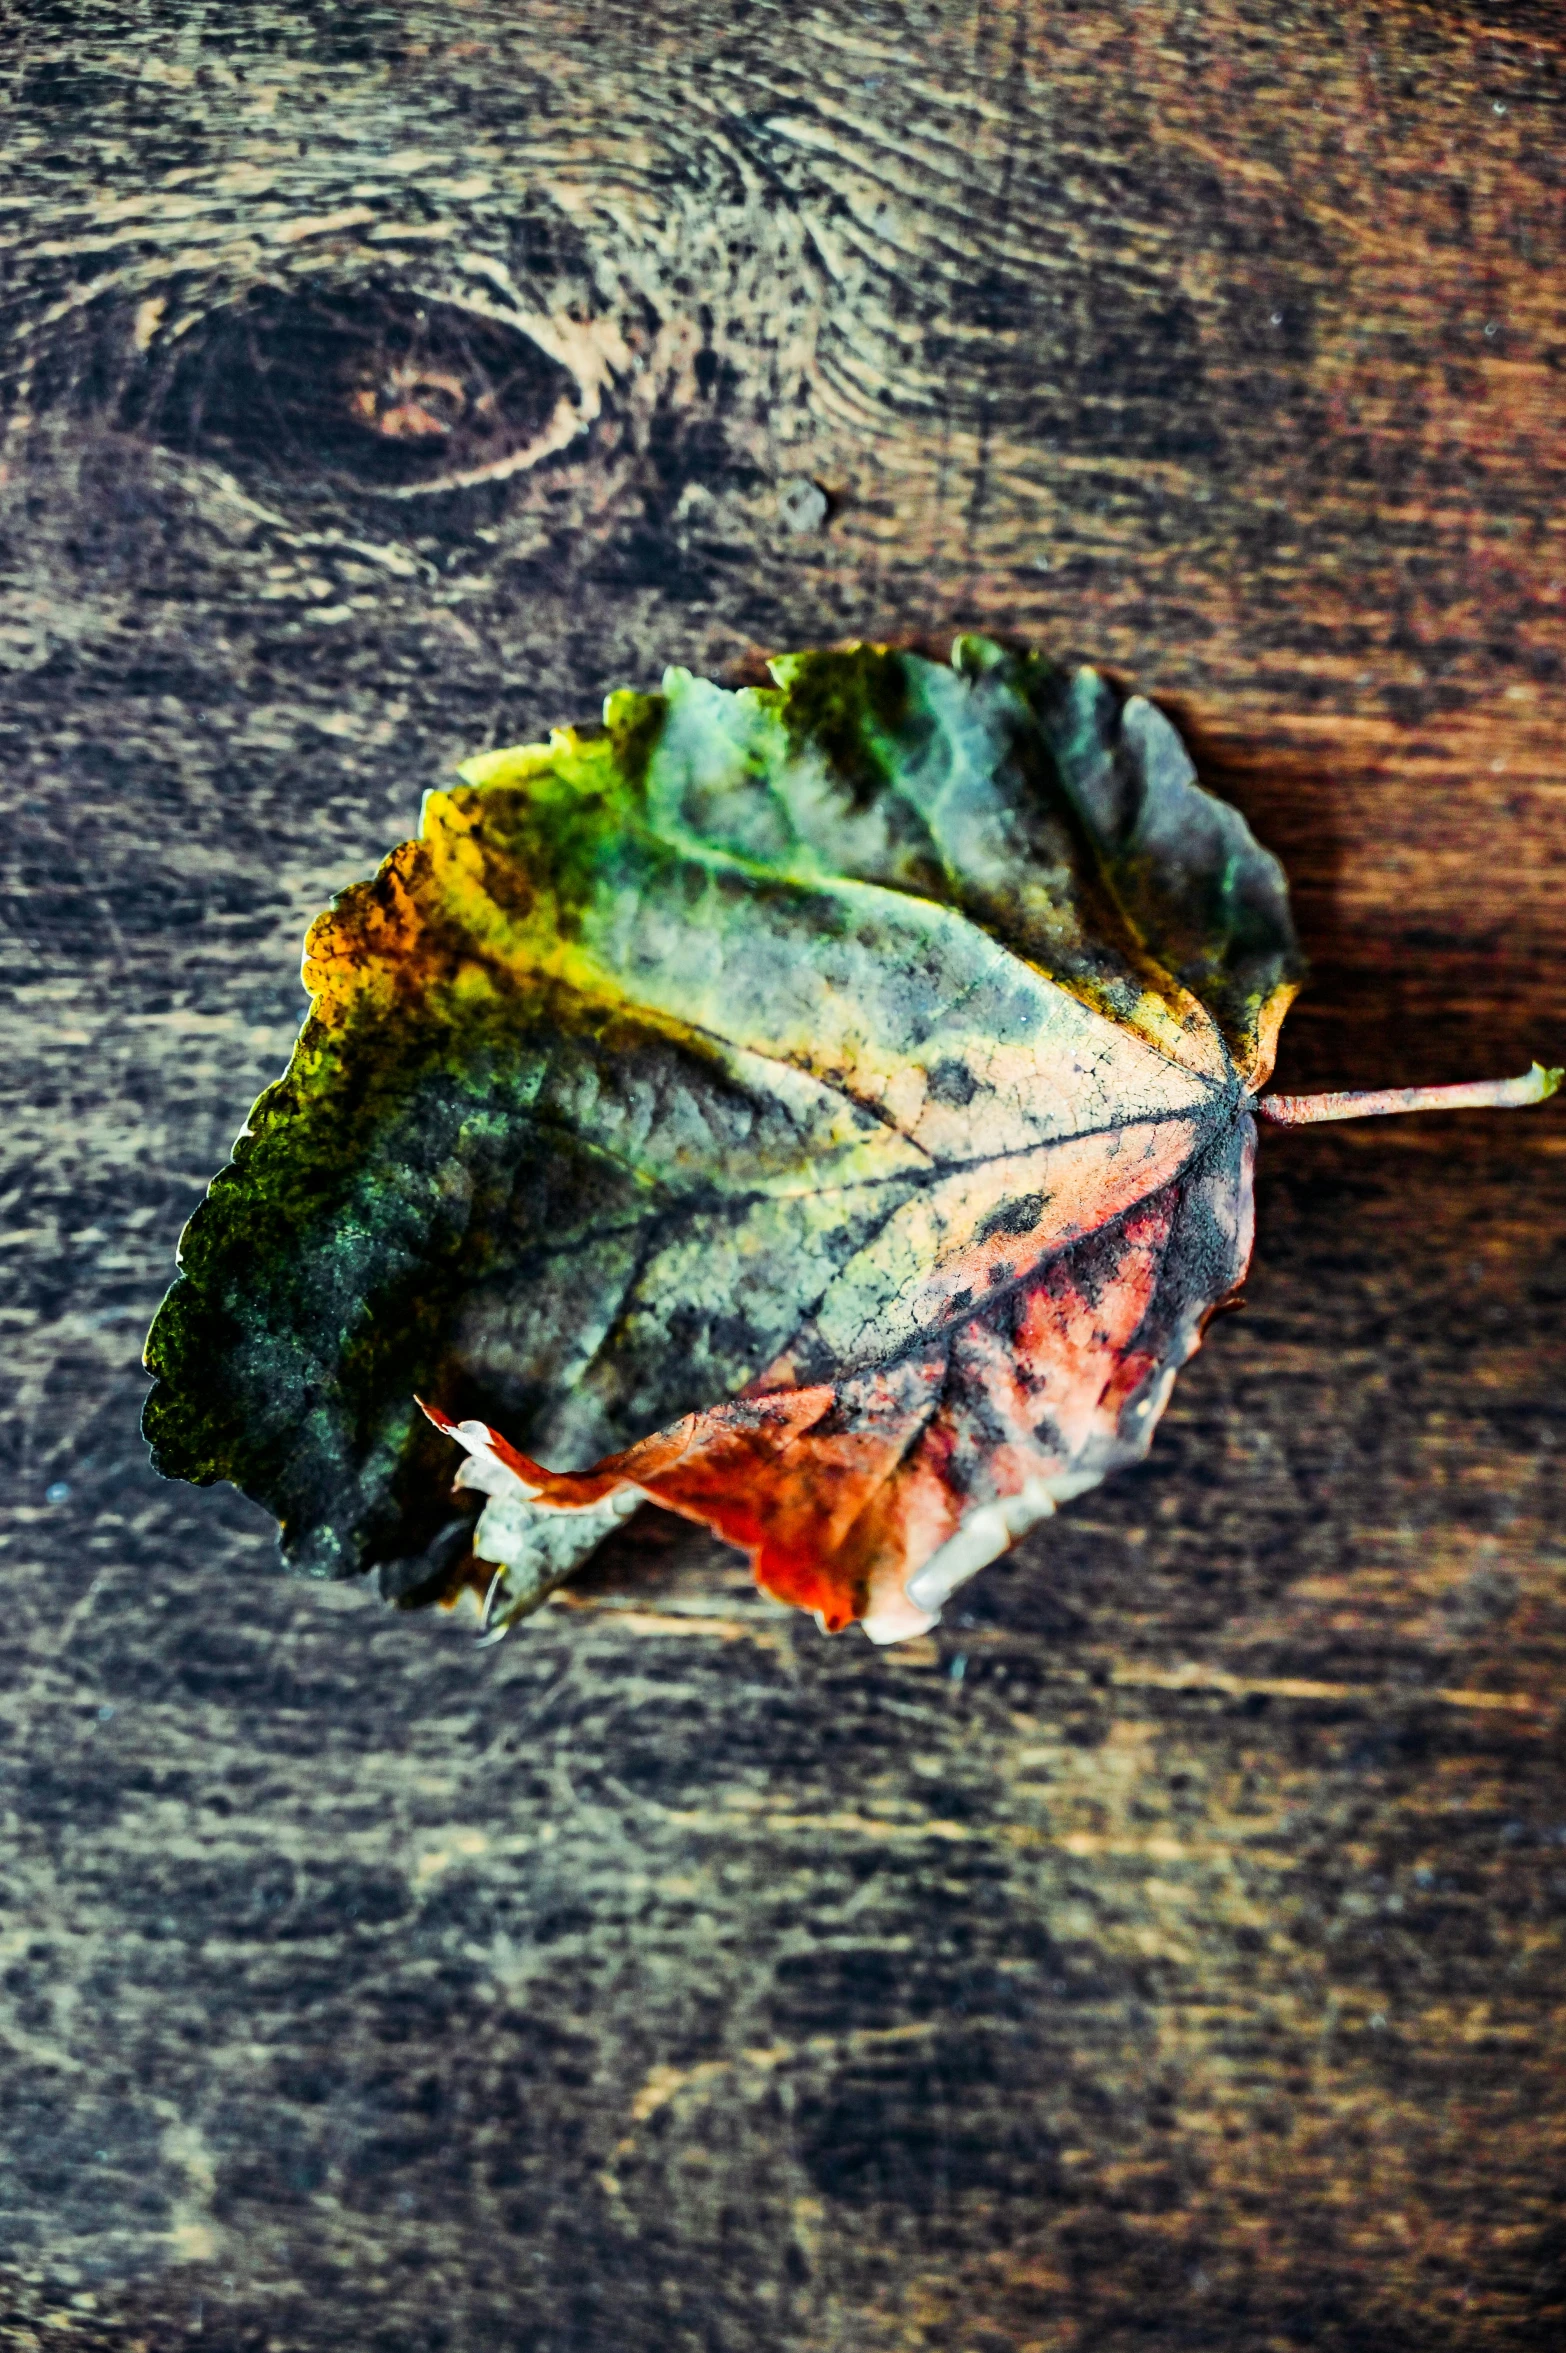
x=871, y=1495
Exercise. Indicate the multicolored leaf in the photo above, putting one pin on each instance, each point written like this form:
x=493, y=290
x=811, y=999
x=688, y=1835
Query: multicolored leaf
x=824, y=1108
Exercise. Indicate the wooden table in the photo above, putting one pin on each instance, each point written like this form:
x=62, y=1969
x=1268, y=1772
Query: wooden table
x=1168, y=1951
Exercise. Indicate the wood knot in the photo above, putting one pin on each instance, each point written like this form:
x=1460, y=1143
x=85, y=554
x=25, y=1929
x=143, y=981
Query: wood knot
x=372, y=387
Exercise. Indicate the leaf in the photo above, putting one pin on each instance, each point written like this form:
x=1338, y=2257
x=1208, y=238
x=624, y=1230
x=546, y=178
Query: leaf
x=823, y=1108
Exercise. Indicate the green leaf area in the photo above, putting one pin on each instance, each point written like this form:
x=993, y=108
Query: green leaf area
x=669, y=1041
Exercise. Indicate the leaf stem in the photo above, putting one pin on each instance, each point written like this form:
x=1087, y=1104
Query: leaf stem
x=1485, y=1094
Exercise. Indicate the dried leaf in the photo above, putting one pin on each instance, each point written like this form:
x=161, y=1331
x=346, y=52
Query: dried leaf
x=823, y=1108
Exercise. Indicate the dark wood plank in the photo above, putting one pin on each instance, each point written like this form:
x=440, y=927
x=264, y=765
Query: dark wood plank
x=1168, y=1951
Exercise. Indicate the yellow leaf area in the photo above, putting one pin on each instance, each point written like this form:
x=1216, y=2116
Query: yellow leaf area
x=820, y=1108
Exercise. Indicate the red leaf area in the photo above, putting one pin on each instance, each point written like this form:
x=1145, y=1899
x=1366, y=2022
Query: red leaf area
x=843, y=1491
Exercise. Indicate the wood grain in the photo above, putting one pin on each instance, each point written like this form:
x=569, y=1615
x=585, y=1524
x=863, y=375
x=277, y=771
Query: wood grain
x=1169, y=1951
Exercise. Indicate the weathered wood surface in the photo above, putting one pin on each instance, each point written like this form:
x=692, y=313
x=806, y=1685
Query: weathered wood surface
x=1170, y=1951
